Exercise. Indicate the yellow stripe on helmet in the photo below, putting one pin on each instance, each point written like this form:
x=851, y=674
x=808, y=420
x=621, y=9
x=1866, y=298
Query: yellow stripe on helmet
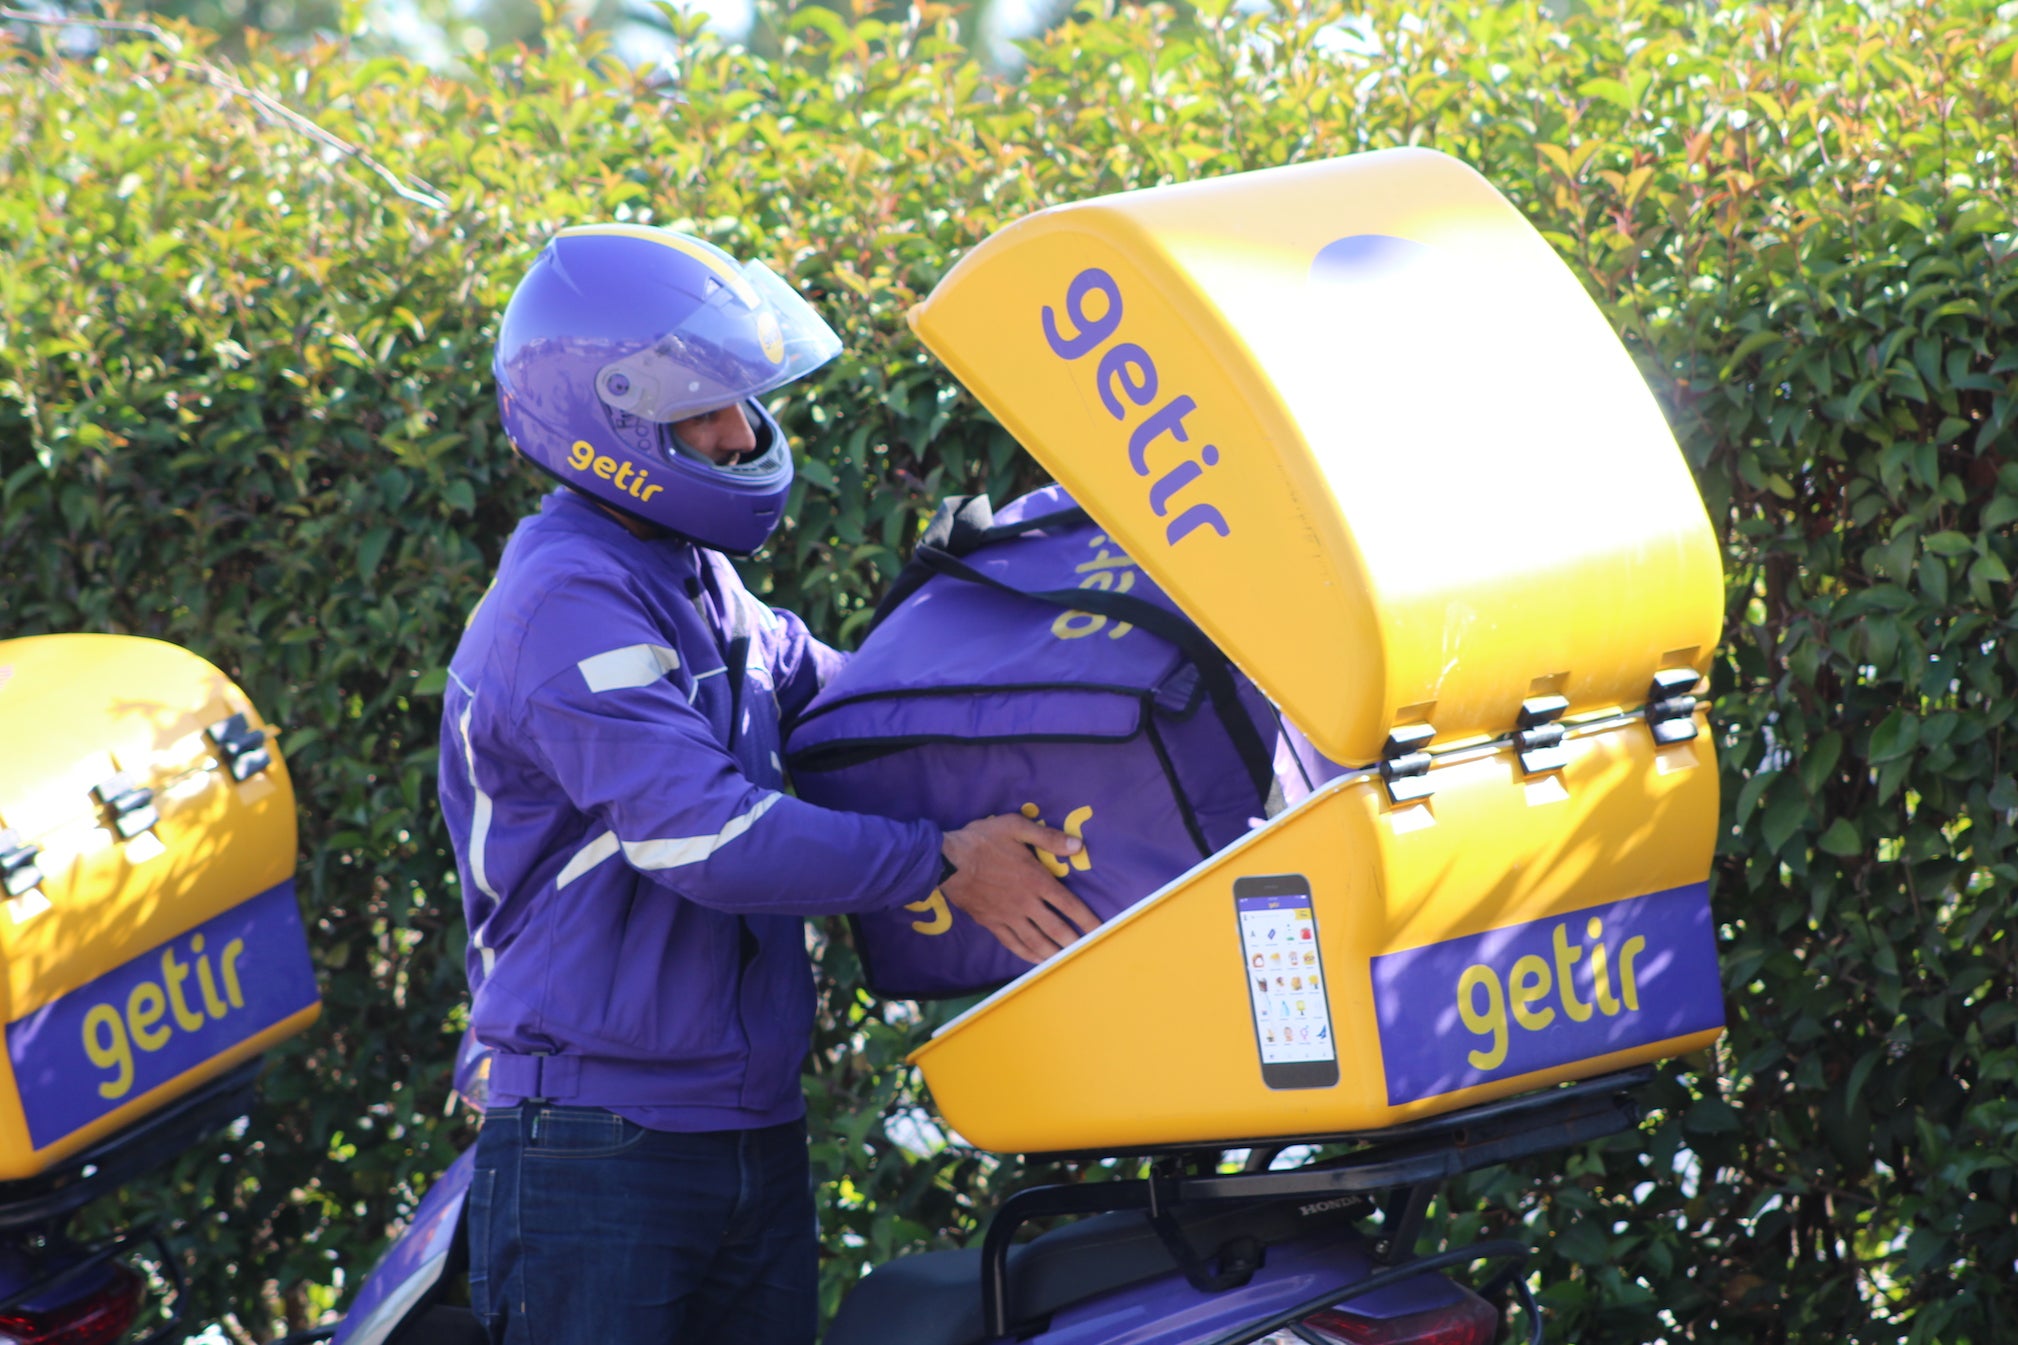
x=728, y=274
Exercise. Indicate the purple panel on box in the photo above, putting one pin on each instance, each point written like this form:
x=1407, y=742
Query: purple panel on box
x=152, y=1019
x=1546, y=993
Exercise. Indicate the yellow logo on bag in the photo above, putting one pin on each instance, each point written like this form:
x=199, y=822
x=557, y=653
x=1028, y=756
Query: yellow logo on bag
x=1075, y=823
x=1111, y=571
x=938, y=916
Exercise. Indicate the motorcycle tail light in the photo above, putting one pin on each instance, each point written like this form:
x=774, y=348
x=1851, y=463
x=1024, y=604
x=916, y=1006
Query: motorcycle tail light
x=1468, y=1321
x=100, y=1317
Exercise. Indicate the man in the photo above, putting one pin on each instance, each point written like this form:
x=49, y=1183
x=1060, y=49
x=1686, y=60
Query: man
x=634, y=877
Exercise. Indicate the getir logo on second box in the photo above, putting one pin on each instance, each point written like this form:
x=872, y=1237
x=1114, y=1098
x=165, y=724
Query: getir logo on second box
x=1546, y=993
x=154, y=1018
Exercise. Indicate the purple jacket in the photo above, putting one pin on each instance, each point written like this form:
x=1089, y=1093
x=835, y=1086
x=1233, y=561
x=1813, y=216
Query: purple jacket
x=633, y=876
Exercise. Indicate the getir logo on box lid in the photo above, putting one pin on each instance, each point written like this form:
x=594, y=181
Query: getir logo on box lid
x=161, y=1014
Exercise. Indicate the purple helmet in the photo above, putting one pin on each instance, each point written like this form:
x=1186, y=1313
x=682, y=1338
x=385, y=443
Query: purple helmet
x=620, y=330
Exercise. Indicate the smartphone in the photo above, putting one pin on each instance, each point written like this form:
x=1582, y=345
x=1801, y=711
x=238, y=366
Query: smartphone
x=1288, y=990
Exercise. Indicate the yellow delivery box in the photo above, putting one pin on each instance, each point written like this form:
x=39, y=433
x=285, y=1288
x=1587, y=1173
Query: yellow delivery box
x=149, y=936
x=1364, y=427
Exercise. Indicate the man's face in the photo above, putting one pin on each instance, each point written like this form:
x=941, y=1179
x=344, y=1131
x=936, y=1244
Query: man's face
x=722, y=436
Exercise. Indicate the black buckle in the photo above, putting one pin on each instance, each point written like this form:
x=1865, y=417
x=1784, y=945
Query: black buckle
x=242, y=747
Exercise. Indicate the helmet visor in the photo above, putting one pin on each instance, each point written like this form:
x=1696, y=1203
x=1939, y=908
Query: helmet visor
x=752, y=333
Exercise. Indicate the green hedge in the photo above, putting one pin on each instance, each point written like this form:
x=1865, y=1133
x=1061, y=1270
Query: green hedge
x=244, y=407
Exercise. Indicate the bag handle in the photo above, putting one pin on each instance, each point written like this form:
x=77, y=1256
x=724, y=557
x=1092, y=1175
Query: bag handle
x=961, y=524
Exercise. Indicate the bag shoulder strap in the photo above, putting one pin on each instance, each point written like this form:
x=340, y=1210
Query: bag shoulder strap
x=960, y=525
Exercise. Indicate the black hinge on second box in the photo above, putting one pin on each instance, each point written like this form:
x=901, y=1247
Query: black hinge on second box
x=18, y=871
x=241, y=747
x=130, y=805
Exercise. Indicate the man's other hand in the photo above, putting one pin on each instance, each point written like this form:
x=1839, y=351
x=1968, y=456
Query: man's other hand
x=1001, y=884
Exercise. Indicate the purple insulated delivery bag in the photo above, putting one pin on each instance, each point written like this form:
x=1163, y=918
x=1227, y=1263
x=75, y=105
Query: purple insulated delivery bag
x=1022, y=663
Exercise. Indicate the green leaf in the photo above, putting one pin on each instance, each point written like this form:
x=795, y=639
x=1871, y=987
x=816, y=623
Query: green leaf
x=1818, y=763
x=1786, y=814
x=817, y=473
x=1885, y=960
x=1748, y=797
x=1950, y=544
x=823, y=20
x=1751, y=345
x=1894, y=738
x=1613, y=91
x=1585, y=1243
x=1840, y=839
x=1712, y=1116
x=370, y=550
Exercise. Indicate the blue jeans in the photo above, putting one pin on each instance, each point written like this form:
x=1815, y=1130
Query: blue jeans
x=587, y=1229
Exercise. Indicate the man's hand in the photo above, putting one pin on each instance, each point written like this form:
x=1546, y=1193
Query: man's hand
x=1001, y=884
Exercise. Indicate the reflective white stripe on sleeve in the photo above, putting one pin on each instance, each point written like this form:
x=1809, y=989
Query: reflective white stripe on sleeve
x=695, y=689
x=637, y=665
x=677, y=852
x=479, y=832
x=586, y=858
x=479, y=824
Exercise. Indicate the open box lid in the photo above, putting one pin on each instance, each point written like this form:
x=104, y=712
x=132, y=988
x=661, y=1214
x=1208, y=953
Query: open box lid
x=1367, y=430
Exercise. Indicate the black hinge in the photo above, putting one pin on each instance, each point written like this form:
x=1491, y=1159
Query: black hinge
x=1539, y=739
x=131, y=806
x=18, y=870
x=1671, y=710
x=242, y=747
x=1404, y=766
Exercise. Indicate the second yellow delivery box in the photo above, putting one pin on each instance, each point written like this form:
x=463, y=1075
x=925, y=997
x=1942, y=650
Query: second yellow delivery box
x=149, y=934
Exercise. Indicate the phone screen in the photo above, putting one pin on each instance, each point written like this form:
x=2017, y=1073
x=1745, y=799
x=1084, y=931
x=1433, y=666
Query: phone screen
x=1287, y=988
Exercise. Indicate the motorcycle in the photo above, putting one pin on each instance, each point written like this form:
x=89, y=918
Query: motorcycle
x=57, y=1289
x=1320, y=1252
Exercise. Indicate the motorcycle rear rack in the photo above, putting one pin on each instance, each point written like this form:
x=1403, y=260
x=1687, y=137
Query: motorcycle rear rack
x=1408, y=1161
